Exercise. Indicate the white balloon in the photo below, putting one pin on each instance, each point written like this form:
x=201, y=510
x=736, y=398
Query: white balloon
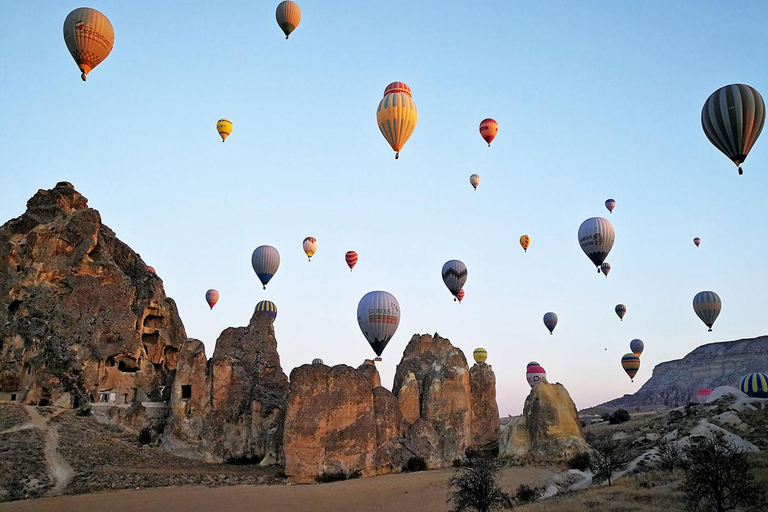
x=378, y=315
x=596, y=238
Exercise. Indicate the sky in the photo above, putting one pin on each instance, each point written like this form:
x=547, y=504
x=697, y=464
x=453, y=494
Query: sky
x=593, y=100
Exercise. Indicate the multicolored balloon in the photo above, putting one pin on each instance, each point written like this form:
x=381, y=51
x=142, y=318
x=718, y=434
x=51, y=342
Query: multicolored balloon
x=480, y=355
x=621, y=310
x=378, y=315
x=732, y=118
x=637, y=346
x=89, y=37
x=610, y=204
x=605, y=268
x=697, y=241
x=211, y=297
x=454, y=276
x=310, y=246
x=596, y=237
x=702, y=394
x=397, y=115
x=265, y=261
x=488, y=130
x=224, y=127
x=550, y=321
x=474, y=180
x=460, y=295
x=288, y=16
x=268, y=308
x=525, y=242
x=707, y=306
x=535, y=374
x=631, y=364
x=755, y=385
x=351, y=259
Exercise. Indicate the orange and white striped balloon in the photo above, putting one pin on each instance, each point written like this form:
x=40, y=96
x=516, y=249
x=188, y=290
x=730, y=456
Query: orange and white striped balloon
x=351, y=259
x=89, y=37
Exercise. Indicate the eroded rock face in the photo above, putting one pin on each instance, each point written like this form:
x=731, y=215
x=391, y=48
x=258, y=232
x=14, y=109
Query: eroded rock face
x=409, y=399
x=485, y=411
x=549, y=429
x=79, y=311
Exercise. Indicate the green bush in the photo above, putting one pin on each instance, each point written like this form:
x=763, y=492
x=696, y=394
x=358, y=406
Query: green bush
x=581, y=461
x=333, y=476
x=245, y=460
x=619, y=416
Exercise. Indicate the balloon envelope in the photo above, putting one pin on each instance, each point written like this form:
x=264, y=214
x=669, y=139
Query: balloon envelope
x=637, y=346
x=268, y=308
x=211, y=297
x=488, y=130
x=755, y=385
x=89, y=37
x=265, y=261
x=378, y=315
x=707, y=306
x=525, y=242
x=474, y=180
x=550, y=320
x=480, y=355
x=534, y=374
x=610, y=204
x=454, y=275
x=224, y=127
x=605, y=268
x=310, y=246
x=460, y=295
x=621, y=310
x=697, y=241
x=288, y=16
x=397, y=115
x=317, y=360
x=702, y=394
x=351, y=259
x=596, y=238
x=631, y=364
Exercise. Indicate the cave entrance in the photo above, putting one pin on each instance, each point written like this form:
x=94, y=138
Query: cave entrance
x=186, y=391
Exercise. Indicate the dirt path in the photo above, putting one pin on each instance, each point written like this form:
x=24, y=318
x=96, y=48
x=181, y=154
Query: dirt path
x=60, y=470
x=422, y=492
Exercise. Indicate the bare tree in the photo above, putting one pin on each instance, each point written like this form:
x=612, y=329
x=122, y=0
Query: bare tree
x=719, y=477
x=608, y=454
x=475, y=486
x=670, y=455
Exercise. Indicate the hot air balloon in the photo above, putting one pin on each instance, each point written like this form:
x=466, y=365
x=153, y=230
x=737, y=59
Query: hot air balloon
x=621, y=310
x=480, y=355
x=288, y=17
x=697, y=241
x=397, y=115
x=732, y=118
x=310, y=246
x=454, y=276
x=268, y=308
x=351, y=259
x=378, y=315
x=550, y=320
x=224, y=127
x=596, y=238
x=637, y=346
x=317, y=360
x=474, y=180
x=534, y=373
x=707, y=306
x=610, y=204
x=460, y=295
x=151, y=269
x=212, y=297
x=525, y=241
x=265, y=261
x=605, y=268
x=488, y=130
x=755, y=385
x=630, y=363
x=89, y=37
x=702, y=394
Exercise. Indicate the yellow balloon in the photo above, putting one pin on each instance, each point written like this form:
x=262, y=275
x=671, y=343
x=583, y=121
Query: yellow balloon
x=525, y=241
x=224, y=127
x=480, y=355
x=288, y=16
x=89, y=37
x=397, y=115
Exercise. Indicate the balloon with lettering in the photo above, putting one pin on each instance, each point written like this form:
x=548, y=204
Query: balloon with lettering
x=488, y=130
x=621, y=310
x=732, y=118
x=212, y=297
x=474, y=180
x=605, y=268
x=268, y=308
x=637, y=346
x=378, y=315
x=610, y=204
x=460, y=295
x=525, y=242
x=351, y=259
x=707, y=306
x=702, y=394
x=631, y=364
x=697, y=241
x=550, y=321
x=454, y=276
x=224, y=127
x=89, y=37
x=397, y=115
x=480, y=355
x=535, y=374
x=310, y=246
x=288, y=17
x=596, y=238
x=265, y=261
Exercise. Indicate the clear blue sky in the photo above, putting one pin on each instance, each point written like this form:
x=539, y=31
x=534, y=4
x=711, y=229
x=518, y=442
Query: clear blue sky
x=593, y=100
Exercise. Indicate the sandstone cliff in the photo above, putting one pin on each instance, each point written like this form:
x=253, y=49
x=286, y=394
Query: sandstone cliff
x=674, y=383
x=81, y=316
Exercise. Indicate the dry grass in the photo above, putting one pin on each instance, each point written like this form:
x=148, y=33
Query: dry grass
x=12, y=415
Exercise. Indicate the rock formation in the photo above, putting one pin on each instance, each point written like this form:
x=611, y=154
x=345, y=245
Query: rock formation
x=549, y=429
x=485, y=410
x=80, y=313
x=674, y=383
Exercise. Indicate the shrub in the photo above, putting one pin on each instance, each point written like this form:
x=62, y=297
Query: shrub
x=415, y=463
x=608, y=454
x=83, y=411
x=145, y=436
x=670, y=455
x=581, y=461
x=475, y=486
x=619, y=416
x=330, y=476
x=527, y=494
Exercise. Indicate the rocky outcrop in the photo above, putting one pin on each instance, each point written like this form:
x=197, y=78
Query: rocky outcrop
x=674, y=383
x=80, y=313
x=409, y=399
x=485, y=411
x=549, y=429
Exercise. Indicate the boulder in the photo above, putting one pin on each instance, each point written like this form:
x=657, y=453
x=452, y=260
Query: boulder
x=485, y=429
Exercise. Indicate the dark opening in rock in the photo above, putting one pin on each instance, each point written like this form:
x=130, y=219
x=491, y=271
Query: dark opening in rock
x=110, y=362
x=13, y=397
x=153, y=321
x=186, y=391
x=14, y=306
x=150, y=338
x=127, y=367
x=43, y=402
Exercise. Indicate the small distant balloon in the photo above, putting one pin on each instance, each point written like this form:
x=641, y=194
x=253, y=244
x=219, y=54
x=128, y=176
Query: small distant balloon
x=631, y=364
x=310, y=246
x=317, y=360
x=550, y=321
x=480, y=355
x=702, y=394
x=637, y=346
x=89, y=37
x=351, y=259
x=288, y=17
x=707, y=306
x=605, y=268
x=224, y=127
x=525, y=242
x=211, y=297
x=268, y=308
x=610, y=204
x=265, y=261
x=488, y=130
x=535, y=374
x=596, y=237
x=697, y=241
x=621, y=310
x=151, y=269
x=454, y=276
x=474, y=180
x=460, y=295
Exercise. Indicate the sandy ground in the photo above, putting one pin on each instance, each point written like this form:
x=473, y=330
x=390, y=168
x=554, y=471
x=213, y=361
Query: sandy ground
x=422, y=492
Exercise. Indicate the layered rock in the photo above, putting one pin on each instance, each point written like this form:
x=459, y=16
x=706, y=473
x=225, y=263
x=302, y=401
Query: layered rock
x=80, y=313
x=549, y=429
x=486, y=429
x=674, y=383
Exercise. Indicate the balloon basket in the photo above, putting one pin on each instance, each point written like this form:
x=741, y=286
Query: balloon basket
x=741, y=171
x=377, y=359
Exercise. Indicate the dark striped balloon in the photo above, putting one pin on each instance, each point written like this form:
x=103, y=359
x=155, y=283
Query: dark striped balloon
x=351, y=258
x=631, y=364
x=732, y=118
x=621, y=310
x=268, y=308
x=755, y=385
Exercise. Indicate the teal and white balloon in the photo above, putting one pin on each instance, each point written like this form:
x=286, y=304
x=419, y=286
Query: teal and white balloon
x=596, y=237
x=378, y=315
x=454, y=276
x=707, y=306
x=265, y=261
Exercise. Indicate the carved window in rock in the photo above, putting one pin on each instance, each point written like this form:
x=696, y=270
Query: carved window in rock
x=186, y=391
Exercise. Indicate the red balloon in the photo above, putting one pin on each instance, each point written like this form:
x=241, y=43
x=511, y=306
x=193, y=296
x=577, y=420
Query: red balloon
x=212, y=297
x=488, y=130
x=351, y=258
x=460, y=295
